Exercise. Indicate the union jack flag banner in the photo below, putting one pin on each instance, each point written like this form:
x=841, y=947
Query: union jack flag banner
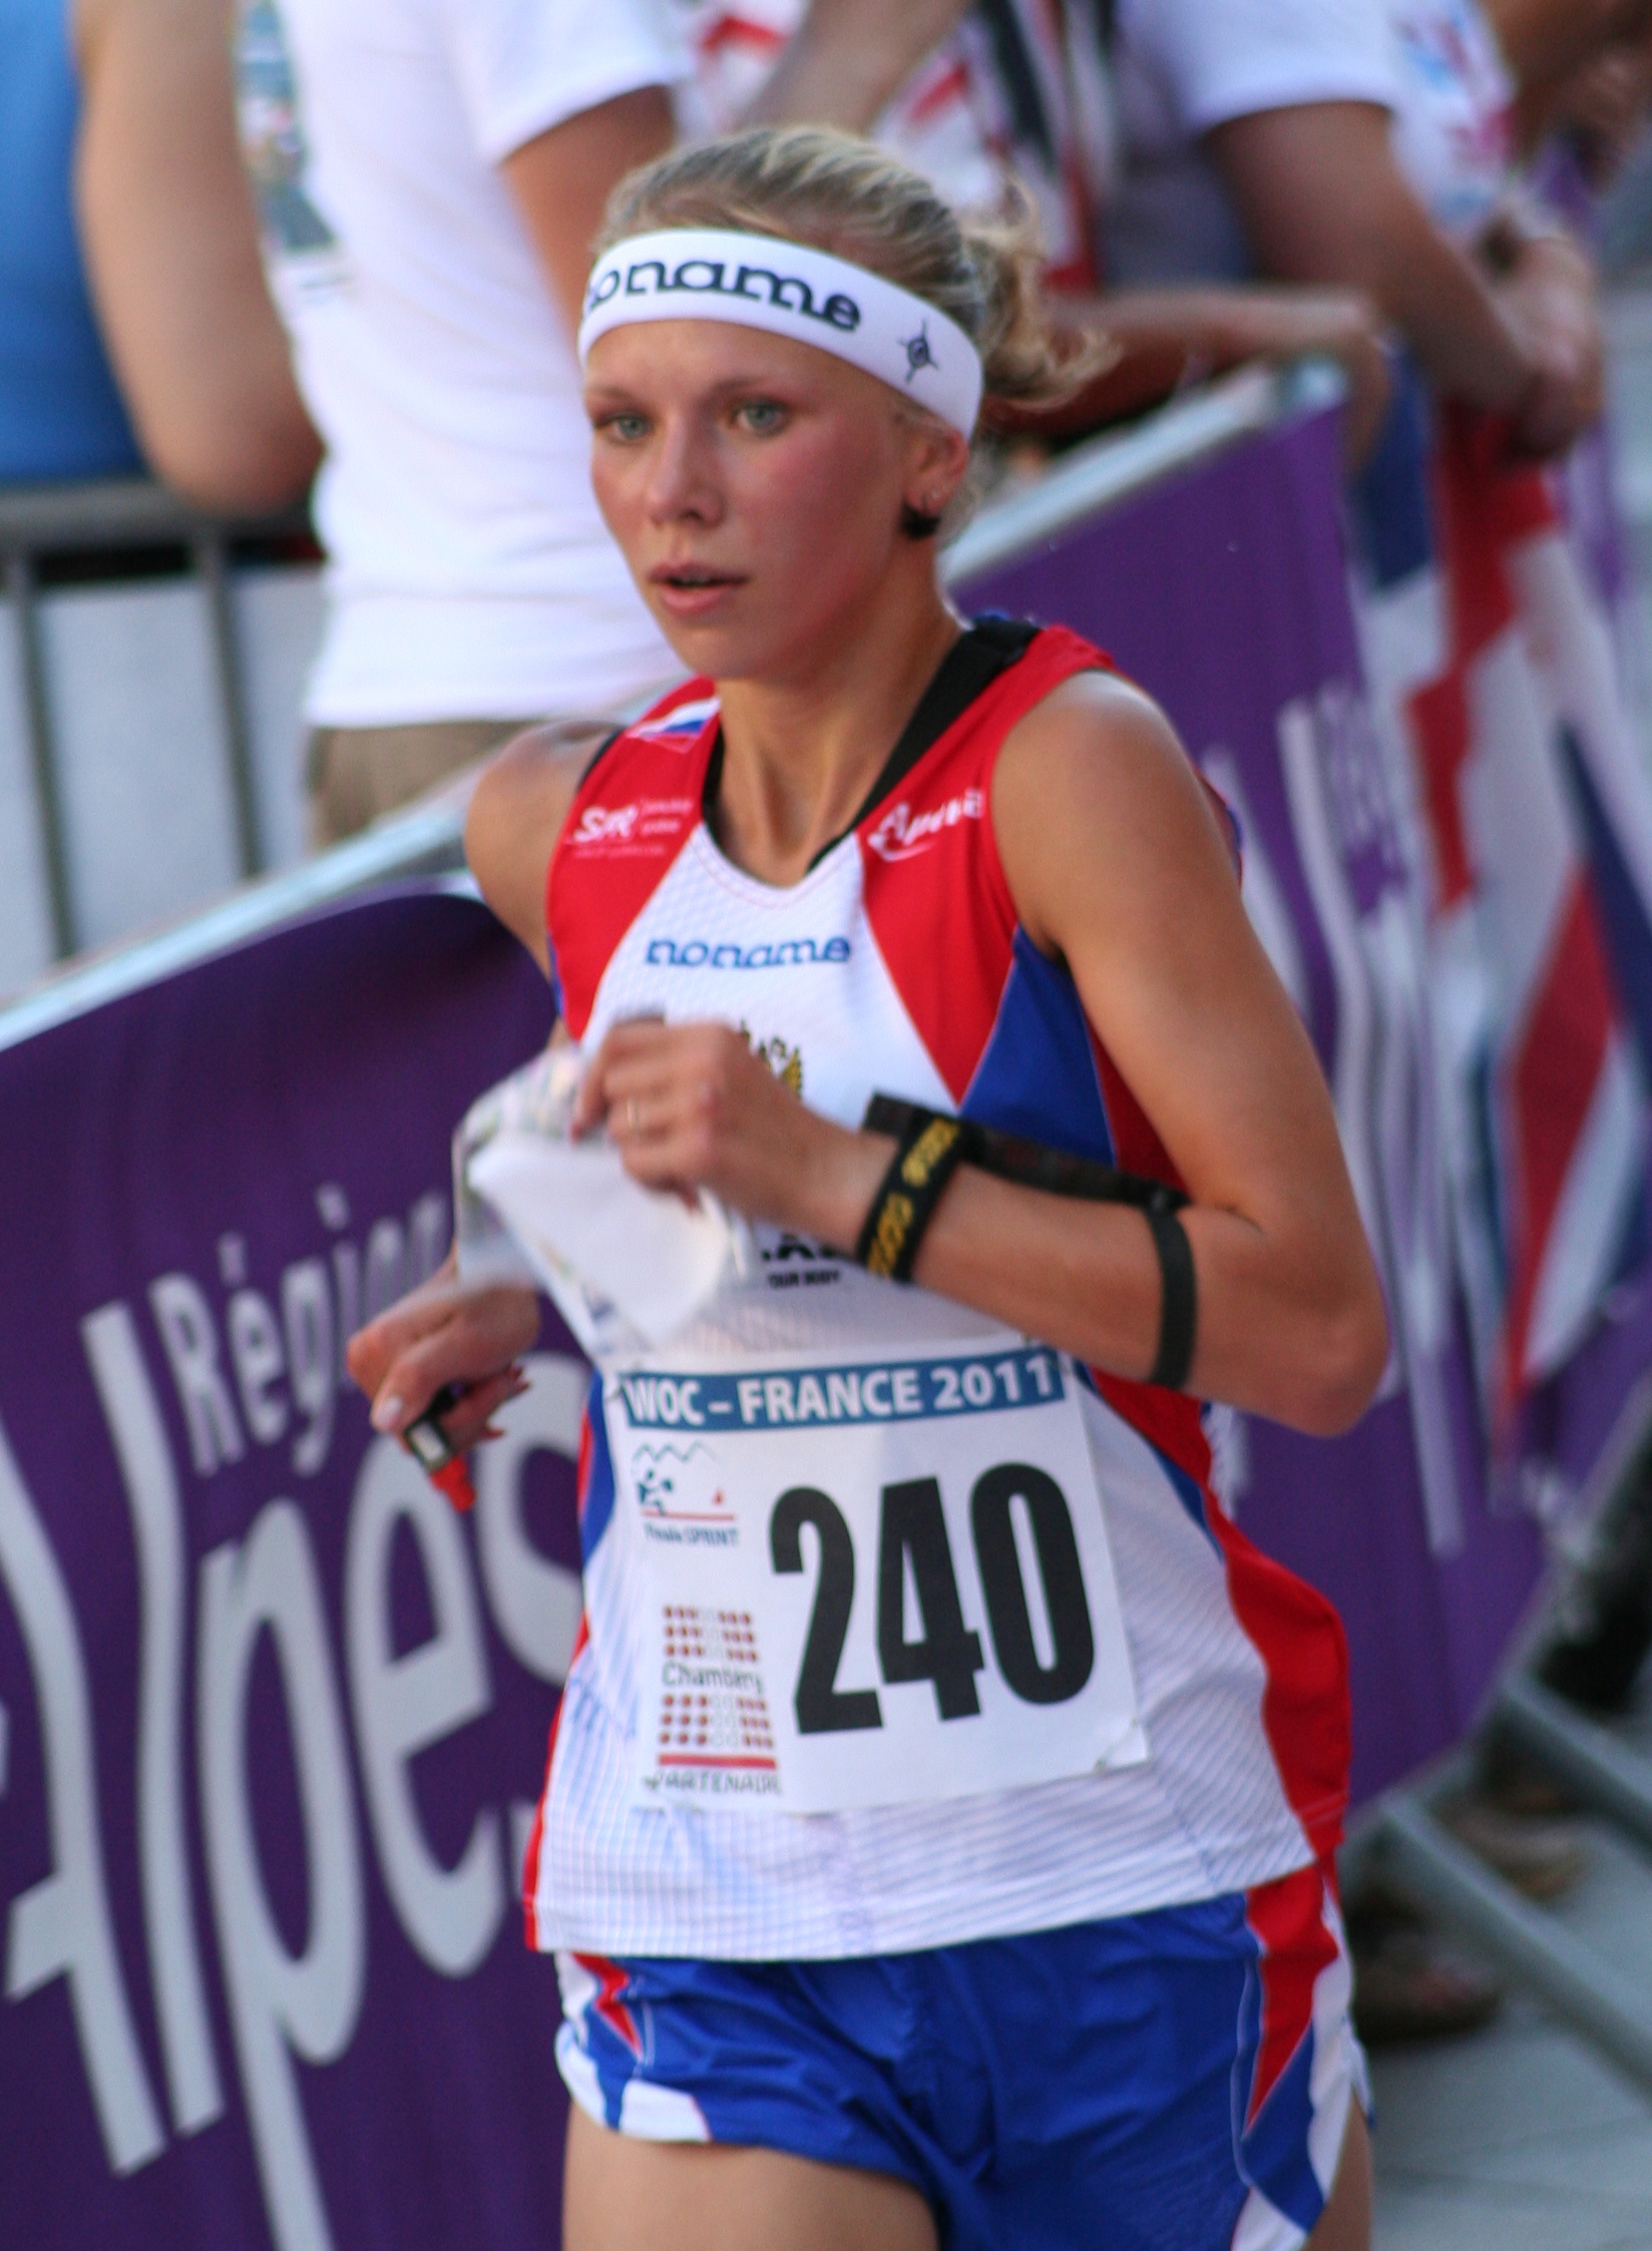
x=1491, y=628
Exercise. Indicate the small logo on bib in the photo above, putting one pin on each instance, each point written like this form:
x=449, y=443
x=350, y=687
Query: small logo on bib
x=680, y=1490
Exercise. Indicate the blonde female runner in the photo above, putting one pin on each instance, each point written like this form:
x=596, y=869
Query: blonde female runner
x=937, y=1840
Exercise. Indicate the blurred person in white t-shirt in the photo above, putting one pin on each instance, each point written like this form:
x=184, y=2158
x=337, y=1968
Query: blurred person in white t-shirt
x=429, y=176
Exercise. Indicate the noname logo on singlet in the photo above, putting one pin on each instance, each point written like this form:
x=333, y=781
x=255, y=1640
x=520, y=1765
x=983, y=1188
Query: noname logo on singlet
x=780, y=953
x=697, y=276
x=902, y=834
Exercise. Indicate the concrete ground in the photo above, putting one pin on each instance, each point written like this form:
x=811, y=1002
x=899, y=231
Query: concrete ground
x=1521, y=2137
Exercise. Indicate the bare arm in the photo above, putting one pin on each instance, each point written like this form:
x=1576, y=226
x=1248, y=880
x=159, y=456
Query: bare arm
x=1323, y=201
x=561, y=180
x=516, y=814
x=1132, y=886
x=847, y=59
x=446, y=1331
x=171, y=252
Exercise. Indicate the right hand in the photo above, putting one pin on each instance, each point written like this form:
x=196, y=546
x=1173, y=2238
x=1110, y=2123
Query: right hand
x=445, y=1332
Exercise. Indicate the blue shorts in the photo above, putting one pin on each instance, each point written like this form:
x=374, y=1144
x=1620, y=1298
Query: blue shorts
x=1170, y=2081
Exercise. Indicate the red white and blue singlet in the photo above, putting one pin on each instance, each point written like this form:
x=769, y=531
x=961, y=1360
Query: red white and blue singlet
x=897, y=965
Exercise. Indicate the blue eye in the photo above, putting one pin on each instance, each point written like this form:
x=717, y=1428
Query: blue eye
x=626, y=428
x=764, y=416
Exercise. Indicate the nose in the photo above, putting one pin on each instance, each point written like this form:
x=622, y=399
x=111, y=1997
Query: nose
x=682, y=480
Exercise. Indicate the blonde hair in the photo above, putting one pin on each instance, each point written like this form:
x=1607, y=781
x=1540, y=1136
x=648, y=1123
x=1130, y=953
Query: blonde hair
x=812, y=184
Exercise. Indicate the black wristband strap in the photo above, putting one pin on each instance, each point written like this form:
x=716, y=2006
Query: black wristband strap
x=1178, y=1310
x=927, y=1153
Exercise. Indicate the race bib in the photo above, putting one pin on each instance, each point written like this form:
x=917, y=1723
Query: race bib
x=868, y=1583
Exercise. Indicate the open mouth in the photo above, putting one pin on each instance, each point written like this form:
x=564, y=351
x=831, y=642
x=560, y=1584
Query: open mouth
x=691, y=577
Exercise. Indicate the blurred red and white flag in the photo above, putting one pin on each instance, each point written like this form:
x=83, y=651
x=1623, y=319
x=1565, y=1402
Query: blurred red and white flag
x=1539, y=814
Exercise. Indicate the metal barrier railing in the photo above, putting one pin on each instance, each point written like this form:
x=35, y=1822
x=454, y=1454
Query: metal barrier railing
x=132, y=514
x=106, y=518
x=1404, y=1840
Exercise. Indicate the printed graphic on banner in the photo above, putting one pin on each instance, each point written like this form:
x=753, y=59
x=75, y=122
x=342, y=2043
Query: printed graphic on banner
x=932, y=1614
x=276, y=1714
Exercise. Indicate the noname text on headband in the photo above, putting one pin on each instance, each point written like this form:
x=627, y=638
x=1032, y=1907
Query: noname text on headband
x=789, y=290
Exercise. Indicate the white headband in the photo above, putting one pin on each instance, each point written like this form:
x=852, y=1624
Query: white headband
x=758, y=281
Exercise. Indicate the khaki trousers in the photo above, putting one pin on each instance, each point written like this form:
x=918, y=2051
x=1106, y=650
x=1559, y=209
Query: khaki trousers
x=357, y=773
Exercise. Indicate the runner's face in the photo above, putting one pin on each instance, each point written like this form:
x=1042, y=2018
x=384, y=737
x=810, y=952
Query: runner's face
x=755, y=486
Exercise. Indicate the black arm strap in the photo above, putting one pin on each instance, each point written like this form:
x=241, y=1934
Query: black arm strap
x=1032, y=1165
x=1179, y=1303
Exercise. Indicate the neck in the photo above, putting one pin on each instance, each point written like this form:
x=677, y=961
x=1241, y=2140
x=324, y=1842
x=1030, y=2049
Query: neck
x=801, y=749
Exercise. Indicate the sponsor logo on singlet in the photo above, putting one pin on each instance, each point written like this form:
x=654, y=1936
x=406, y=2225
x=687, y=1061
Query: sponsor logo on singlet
x=902, y=834
x=723, y=953
x=639, y=826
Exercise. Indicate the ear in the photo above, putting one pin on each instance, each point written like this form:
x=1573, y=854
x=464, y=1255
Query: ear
x=937, y=462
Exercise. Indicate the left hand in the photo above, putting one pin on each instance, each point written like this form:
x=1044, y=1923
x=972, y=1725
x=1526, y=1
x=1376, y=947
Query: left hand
x=446, y=1331
x=689, y=1107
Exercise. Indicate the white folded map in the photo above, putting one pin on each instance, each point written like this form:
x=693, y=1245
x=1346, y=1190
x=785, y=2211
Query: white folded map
x=626, y=1266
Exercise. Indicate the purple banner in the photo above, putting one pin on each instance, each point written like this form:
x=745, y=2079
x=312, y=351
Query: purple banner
x=270, y=1714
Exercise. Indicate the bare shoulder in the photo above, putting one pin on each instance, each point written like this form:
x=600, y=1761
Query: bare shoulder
x=1094, y=796
x=516, y=815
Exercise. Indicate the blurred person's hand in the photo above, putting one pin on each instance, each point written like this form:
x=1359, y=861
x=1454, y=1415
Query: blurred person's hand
x=1340, y=324
x=1605, y=105
x=446, y=1332
x=1165, y=339
x=1548, y=300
